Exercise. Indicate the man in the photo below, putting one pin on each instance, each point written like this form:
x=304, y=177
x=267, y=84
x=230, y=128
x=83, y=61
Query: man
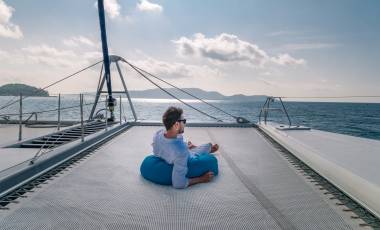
x=170, y=146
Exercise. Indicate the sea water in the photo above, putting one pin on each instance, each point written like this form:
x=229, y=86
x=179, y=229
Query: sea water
x=356, y=119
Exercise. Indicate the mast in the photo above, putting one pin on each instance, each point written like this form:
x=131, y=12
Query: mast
x=107, y=73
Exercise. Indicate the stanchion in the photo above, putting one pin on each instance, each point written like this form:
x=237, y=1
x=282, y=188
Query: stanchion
x=106, y=115
x=59, y=112
x=120, y=108
x=81, y=116
x=20, y=120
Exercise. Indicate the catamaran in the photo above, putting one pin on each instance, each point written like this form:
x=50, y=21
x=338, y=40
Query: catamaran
x=85, y=175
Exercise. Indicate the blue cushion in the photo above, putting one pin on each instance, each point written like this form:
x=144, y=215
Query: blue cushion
x=155, y=169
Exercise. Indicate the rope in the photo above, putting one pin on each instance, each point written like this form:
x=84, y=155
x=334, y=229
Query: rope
x=170, y=94
x=41, y=89
x=184, y=91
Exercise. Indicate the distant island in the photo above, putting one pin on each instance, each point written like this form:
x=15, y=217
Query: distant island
x=207, y=95
x=26, y=90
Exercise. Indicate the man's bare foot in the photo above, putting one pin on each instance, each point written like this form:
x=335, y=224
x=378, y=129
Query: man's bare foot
x=214, y=148
x=207, y=177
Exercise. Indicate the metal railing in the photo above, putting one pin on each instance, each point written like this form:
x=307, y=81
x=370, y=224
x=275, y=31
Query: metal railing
x=50, y=146
x=30, y=116
x=264, y=112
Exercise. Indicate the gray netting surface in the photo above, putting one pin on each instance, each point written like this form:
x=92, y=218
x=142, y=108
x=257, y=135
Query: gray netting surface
x=255, y=190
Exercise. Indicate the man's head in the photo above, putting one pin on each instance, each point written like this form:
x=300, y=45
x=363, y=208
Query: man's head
x=173, y=119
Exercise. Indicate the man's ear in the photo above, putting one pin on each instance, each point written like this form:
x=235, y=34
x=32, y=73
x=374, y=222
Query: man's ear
x=174, y=127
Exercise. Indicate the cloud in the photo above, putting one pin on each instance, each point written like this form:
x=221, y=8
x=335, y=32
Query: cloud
x=228, y=48
x=147, y=6
x=309, y=46
x=286, y=59
x=112, y=8
x=47, y=55
x=48, y=51
x=175, y=69
x=3, y=54
x=80, y=40
x=7, y=28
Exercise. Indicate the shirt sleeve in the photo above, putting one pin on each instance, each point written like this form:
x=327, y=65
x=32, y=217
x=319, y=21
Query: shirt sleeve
x=202, y=149
x=179, y=178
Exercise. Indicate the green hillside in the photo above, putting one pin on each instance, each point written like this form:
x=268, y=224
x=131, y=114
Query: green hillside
x=26, y=90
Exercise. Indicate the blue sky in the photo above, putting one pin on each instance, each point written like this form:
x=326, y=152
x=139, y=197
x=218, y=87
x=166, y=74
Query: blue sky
x=282, y=48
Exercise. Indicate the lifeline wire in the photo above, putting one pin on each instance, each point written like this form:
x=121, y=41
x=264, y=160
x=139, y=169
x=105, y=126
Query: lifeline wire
x=71, y=75
x=50, y=110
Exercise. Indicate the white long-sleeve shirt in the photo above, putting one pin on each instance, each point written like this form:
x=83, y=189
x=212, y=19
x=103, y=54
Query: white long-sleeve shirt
x=175, y=151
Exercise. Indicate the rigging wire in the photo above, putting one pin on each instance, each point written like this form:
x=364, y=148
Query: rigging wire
x=56, y=82
x=184, y=91
x=100, y=78
x=14, y=97
x=170, y=94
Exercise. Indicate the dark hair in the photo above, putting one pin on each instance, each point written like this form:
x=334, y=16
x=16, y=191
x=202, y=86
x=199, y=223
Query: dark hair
x=171, y=116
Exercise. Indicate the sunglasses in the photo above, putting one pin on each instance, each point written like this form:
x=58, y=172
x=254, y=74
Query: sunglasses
x=183, y=120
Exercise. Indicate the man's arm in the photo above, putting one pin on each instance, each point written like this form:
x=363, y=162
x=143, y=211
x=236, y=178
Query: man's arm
x=179, y=179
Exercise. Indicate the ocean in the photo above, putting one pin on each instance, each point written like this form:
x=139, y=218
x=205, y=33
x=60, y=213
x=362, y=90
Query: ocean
x=356, y=119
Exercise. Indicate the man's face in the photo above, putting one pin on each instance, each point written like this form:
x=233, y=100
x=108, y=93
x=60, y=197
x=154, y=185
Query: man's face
x=181, y=124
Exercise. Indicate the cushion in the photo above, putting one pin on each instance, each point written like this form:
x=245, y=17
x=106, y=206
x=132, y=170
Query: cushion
x=155, y=169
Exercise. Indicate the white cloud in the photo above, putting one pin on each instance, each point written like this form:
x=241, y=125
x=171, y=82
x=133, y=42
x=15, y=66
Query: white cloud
x=3, y=54
x=7, y=28
x=112, y=8
x=147, y=6
x=175, y=69
x=93, y=55
x=228, y=48
x=48, y=51
x=79, y=40
x=286, y=59
x=47, y=55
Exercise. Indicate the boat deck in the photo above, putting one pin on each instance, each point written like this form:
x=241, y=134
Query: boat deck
x=257, y=189
x=9, y=133
x=350, y=163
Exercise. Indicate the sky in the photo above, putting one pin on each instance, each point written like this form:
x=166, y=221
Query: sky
x=289, y=48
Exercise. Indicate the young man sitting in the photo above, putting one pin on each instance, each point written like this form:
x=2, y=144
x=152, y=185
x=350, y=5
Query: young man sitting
x=170, y=146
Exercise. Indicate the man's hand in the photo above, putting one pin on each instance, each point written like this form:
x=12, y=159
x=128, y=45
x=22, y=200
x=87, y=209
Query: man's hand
x=214, y=148
x=190, y=145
